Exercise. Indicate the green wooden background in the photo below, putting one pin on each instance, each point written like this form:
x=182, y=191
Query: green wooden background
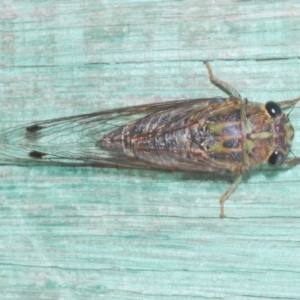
x=76, y=233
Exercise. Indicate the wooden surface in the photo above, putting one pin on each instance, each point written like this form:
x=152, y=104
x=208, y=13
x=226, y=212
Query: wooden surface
x=76, y=233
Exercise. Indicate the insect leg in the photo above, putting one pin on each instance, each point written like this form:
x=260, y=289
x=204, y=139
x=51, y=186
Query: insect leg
x=221, y=84
x=292, y=161
x=288, y=103
x=229, y=191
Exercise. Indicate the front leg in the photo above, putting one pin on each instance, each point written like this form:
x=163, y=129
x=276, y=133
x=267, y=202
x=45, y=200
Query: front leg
x=221, y=84
x=288, y=103
x=291, y=161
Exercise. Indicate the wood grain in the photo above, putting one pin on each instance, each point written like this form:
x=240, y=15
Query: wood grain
x=83, y=233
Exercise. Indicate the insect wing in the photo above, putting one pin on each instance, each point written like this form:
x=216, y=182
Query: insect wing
x=73, y=140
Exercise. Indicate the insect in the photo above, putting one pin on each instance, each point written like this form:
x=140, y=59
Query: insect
x=203, y=135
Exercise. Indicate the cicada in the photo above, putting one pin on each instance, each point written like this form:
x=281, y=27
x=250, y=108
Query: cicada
x=221, y=134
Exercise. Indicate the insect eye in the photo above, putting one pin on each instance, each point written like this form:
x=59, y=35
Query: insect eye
x=273, y=109
x=276, y=158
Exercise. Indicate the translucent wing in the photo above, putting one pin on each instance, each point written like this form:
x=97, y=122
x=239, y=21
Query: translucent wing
x=73, y=140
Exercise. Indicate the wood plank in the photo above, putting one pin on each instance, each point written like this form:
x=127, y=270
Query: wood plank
x=84, y=233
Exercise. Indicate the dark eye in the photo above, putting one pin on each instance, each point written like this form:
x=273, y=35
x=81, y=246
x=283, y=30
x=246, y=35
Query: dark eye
x=276, y=158
x=273, y=109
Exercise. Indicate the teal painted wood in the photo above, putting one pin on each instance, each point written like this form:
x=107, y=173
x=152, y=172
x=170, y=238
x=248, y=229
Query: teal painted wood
x=76, y=233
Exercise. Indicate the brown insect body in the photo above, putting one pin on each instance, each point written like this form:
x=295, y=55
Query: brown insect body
x=222, y=134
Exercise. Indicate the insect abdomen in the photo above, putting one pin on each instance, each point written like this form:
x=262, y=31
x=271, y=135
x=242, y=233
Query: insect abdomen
x=151, y=139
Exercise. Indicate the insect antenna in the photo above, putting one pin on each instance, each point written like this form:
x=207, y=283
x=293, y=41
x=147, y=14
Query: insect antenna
x=291, y=109
x=293, y=153
x=293, y=106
